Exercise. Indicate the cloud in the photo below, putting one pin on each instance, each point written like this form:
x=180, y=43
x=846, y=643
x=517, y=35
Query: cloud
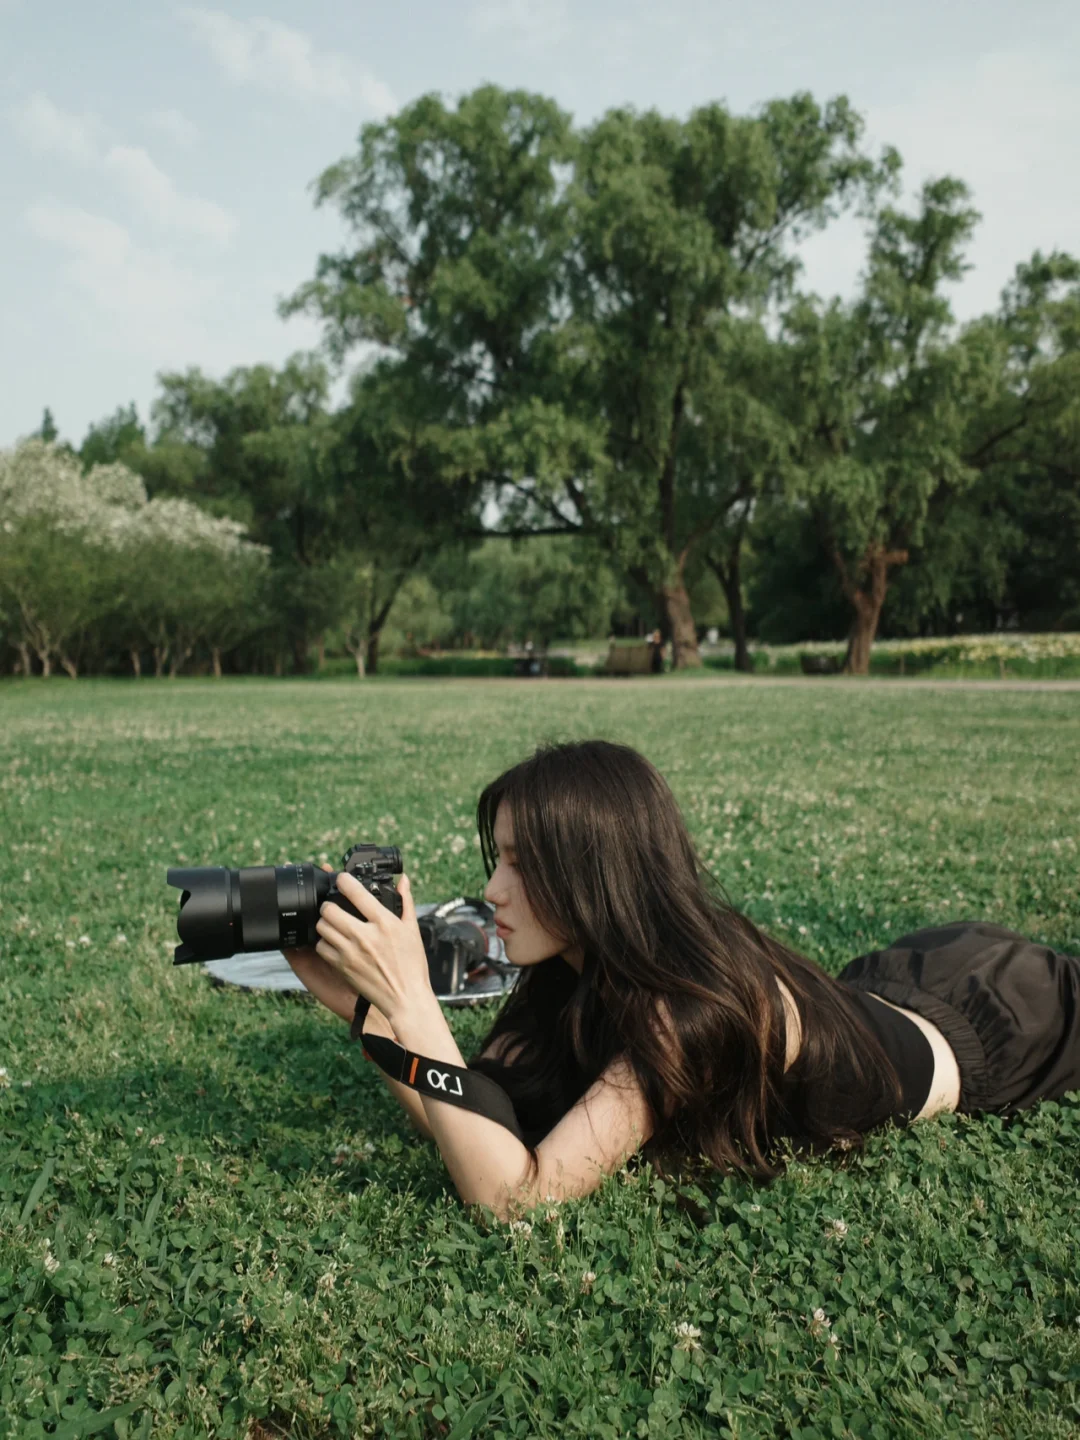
x=137, y=298
x=158, y=197
x=175, y=124
x=272, y=56
x=45, y=126
x=534, y=23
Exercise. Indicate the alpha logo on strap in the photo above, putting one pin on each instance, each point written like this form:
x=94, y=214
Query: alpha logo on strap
x=440, y=1080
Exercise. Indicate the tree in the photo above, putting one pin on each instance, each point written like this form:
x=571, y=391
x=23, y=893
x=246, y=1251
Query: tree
x=59, y=534
x=1025, y=442
x=881, y=392
x=189, y=578
x=735, y=453
x=545, y=588
x=255, y=447
x=550, y=297
x=120, y=438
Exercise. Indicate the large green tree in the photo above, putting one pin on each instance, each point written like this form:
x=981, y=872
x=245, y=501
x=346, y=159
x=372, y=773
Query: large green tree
x=552, y=298
x=881, y=391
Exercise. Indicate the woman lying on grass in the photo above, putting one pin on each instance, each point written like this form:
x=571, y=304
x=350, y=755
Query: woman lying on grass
x=650, y=1013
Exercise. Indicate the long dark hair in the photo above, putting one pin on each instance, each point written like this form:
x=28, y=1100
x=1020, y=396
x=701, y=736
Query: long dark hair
x=675, y=979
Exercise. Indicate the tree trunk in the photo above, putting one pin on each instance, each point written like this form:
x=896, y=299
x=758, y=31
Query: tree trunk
x=136, y=663
x=300, y=655
x=279, y=664
x=177, y=662
x=684, y=645
x=70, y=666
x=358, y=656
x=730, y=577
x=24, y=657
x=373, y=652
x=45, y=656
x=866, y=601
x=320, y=650
x=216, y=652
x=160, y=654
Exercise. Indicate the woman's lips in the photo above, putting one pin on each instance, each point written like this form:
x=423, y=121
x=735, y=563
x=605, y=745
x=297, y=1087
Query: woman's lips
x=501, y=929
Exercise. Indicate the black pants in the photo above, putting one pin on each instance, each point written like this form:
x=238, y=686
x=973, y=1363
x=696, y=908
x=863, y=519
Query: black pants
x=1009, y=1008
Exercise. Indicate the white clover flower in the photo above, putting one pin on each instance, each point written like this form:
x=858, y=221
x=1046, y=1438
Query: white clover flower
x=158, y=1140
x=836, y=1229
x=687, y=1336
x=138, y=1130
x=109, y=1259
x=85, y=940
x=588, y=1280
x=120, y=939
x=52, y=1264
x=457, y=844
x=521, y=1227
x=819, y=1323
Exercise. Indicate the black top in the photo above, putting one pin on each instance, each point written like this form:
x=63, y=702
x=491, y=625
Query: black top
x=908, y=1049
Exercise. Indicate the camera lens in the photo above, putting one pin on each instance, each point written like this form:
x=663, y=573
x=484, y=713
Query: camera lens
x=261, y=907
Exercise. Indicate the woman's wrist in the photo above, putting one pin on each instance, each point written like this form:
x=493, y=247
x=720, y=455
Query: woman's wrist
x=376, y=1023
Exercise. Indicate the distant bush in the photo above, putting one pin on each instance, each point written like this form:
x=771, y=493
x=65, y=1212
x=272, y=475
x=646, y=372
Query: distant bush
x=1047, y=656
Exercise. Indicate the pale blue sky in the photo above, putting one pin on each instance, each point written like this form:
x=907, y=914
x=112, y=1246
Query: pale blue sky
x=155, y=158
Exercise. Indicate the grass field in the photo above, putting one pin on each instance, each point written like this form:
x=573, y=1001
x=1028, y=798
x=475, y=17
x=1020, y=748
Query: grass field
x=214, y=1221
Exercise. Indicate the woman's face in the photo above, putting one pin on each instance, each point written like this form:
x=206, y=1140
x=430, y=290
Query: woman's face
x=525, y=940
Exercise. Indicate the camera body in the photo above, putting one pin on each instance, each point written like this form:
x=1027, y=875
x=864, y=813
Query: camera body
x=227, y=912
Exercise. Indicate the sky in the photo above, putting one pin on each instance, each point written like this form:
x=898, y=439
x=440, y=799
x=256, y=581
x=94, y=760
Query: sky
x=156, y=159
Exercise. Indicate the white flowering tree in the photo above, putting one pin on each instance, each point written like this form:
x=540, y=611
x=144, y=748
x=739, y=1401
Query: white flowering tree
x=79, y=551
x=59, y=533
x=189, y=578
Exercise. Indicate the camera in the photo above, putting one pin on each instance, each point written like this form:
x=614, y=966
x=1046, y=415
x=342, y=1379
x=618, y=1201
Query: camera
x=271, y=907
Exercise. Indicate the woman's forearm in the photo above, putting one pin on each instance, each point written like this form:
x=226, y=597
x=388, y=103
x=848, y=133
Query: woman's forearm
x=376, y=1023
x=487, y=1164
x=332, y=992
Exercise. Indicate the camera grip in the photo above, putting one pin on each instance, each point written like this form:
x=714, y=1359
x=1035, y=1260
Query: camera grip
x=385, y=894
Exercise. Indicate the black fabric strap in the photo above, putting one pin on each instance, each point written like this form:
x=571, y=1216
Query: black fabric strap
x=452, y=1083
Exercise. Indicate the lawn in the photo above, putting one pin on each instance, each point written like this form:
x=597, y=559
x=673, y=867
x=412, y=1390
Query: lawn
x=214, y=1221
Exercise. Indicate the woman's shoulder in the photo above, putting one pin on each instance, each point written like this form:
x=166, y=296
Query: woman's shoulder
x=792, y=1025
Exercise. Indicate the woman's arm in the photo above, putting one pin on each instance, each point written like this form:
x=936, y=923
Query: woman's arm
x=328, y=987
x=490, y=1166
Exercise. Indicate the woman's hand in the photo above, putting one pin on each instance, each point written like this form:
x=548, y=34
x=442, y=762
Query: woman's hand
x=321, y=979
x=380, y=957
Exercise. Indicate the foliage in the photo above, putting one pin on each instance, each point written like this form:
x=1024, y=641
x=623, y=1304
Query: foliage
x=552, y=587
x=597, y=329
x=77, y=550
x=215, y=1221
x=550, y=301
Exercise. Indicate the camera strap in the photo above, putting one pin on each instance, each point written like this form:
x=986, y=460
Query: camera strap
x=457, y=1086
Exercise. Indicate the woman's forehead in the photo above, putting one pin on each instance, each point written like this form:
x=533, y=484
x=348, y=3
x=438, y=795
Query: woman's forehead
x=502, y=828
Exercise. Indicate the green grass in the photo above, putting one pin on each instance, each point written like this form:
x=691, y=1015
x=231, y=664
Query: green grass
x=214, y=1221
